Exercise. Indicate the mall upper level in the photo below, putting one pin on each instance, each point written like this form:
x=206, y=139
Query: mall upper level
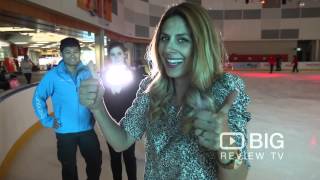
x=237, y=20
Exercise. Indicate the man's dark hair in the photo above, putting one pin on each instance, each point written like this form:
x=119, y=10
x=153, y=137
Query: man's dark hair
x=116, y=44
x=69, y=42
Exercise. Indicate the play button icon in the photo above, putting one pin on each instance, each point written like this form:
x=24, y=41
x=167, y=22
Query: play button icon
x=231, y=141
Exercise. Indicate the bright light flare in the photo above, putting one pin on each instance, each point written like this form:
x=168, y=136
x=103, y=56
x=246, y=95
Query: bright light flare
x=118, y=77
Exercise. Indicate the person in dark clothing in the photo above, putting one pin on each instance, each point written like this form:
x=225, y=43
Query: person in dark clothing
x=4, y=83
x=118, y=97
x=271, y=61
x=295, y=63
x=26, y=68
x=278, y=63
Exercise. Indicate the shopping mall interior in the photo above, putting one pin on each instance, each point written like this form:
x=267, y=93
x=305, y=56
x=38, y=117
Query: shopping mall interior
x=282, y=103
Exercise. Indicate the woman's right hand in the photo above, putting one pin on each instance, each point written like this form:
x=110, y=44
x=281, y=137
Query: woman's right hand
x=91, y=93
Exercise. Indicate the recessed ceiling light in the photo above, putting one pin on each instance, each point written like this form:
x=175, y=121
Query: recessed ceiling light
x=34, y=45
x=10, y=29
x=21, y=42
x=301, y=3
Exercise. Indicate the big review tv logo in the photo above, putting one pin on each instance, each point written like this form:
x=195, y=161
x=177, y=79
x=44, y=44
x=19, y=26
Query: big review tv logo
x=256, y=140
x=228, y=142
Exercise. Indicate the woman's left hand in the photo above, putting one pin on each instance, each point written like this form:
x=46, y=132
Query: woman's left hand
x=209, y=125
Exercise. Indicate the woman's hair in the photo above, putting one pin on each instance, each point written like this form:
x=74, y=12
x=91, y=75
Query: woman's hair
x=114, y=44
x=206, y=64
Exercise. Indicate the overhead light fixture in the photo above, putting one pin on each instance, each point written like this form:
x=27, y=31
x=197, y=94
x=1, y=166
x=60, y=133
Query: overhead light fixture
x=12, y=29
x=34, y=45
x=255, y=1
x=301, y=3
x=87, y=40
x=57, y=28
x=27, y=34
x=21, y=43
x=4, y=44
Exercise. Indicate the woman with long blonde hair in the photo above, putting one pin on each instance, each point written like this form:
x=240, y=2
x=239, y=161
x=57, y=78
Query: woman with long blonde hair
x=186, y=107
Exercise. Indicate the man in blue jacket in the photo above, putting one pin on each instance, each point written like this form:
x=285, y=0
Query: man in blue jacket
x=72, y=122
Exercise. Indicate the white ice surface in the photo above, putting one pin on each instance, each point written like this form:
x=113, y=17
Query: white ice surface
x=282, y=102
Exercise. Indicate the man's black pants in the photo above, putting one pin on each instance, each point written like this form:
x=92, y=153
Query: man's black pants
x=129, y=161
x=90, y=150
x=28, y=77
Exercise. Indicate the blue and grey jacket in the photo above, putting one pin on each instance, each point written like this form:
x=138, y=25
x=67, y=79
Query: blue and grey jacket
x=63, y=89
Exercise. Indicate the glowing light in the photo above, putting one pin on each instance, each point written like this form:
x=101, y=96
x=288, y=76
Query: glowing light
x=313, y=140
x=117, y=77
x=313, y=78
x=260, y=74
x=21, y=42
x=301, y=3
x=289, y=76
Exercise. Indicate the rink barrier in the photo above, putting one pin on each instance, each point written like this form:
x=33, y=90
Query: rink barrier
x=11, y=92
x=264, y=66
x=18, y=124
x=16, y=148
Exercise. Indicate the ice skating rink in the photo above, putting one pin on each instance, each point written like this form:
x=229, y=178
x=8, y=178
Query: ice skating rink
x=282, y=102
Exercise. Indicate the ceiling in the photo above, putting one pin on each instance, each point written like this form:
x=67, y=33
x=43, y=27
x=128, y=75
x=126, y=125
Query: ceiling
x=36, y=34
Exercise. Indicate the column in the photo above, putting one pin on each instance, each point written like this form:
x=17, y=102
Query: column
x=99, y=47
x=316, y=57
